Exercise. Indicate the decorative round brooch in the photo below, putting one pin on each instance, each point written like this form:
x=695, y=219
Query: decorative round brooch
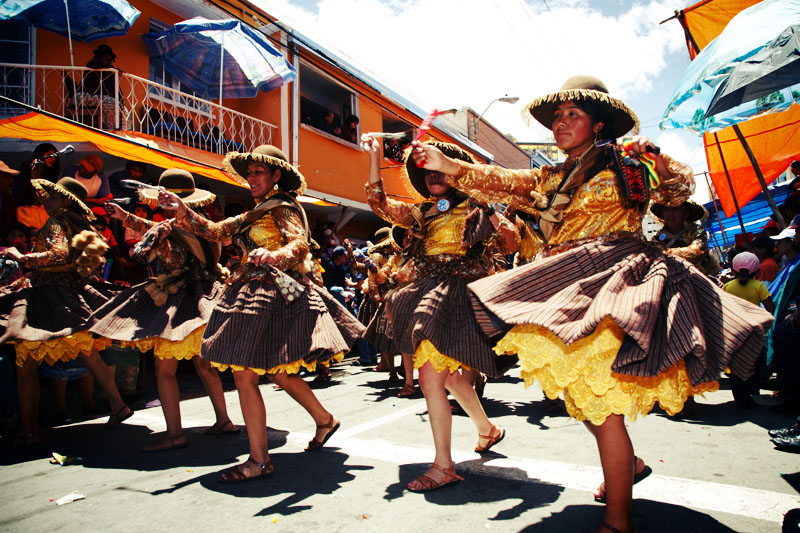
x=443, y=205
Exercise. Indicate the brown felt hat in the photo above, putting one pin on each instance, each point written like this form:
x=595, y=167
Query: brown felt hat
x=68, y=188
x=235, y=163
x=696, y=211
x=416, y=175
x=5, y=169
x=582, y=89
x=181, y=183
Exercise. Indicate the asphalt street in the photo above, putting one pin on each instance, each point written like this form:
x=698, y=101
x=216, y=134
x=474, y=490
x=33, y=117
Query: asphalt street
x=717, y=471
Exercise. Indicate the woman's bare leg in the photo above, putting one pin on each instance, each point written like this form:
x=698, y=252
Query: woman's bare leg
x=300, y=392
x=104, y=376
x=459, y=384
x=616, y=457
x=29, y=392
x=440, y=416
x=213, y=385
x=255, y=419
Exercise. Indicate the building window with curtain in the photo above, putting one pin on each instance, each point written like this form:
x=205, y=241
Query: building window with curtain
x=16, y=48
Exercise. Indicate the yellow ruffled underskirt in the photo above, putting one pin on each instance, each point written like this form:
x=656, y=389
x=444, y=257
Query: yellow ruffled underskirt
x=61, y=349
x=582, y=372
x=166, y=349
x=290, y=368
x=427, y=353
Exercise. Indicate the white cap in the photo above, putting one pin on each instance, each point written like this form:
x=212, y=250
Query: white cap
x=788, y=233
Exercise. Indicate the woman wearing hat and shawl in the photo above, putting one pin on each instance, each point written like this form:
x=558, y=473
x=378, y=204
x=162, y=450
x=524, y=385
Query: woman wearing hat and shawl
x=683, y=237
x=45, y=314
x=169, y=312
x=604, y=317
x=271, y=318
x=429, y=314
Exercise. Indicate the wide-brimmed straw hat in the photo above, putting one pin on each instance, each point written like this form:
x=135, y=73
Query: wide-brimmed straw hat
x=390, y=240
x=416, y=175
x=235, y=163
x=583, y=89
x=68, y=188
x=181, y=183
x=696, y=211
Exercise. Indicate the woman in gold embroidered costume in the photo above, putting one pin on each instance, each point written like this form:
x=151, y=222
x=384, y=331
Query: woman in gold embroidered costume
x=45, y=313
x=429, y=313
x=271, y=318
x=604, y=317
x=168, y=312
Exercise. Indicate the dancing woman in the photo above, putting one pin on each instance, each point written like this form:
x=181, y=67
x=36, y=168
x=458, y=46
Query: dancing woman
x=429, y=313
x=271, y=319
x=45, y=313
x=605, y=318
x=168, y=312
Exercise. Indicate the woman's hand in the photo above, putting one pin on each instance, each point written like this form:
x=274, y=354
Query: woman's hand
x=115, y=211
x=169, y=200
x=12, y=253
x=261, y=256
x=371, y=145
x=431, y=158
x=638, y=145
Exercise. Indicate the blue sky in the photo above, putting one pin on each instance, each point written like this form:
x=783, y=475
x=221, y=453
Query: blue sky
x=454, y=53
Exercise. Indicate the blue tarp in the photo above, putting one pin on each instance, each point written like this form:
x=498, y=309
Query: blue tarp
x=756, y=213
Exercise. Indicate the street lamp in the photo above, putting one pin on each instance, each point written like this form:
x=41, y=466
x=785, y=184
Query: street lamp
x=505, y=99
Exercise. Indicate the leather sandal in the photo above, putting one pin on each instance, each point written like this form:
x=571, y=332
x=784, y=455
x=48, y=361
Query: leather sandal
x=424, y=483
x=600, y=495
x=165, y=442
x=495, y=435
x=236, y=475
x=407, y=391
x=115, y=419
x=225, y=428
x=315, y=444
x=610, y=528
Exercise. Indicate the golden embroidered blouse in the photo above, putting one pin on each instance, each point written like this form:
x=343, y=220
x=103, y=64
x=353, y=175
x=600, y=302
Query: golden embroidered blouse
x=442, y=238
x=596, y=208
x=280, y=230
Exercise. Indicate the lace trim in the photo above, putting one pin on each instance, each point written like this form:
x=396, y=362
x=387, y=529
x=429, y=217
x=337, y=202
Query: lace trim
x=427, y=353
x=61, y=349
x=186, y=348
x=290, y=368
x=582, y=372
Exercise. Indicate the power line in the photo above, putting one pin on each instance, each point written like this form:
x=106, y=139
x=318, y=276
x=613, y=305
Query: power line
x=552, y=52
x=577, y=57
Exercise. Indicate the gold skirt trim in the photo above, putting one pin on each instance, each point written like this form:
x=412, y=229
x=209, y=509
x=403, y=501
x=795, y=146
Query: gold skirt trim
x=582, y=372
x=166, y=349
x=61, y=349
x=289, y=368
x=427, y=353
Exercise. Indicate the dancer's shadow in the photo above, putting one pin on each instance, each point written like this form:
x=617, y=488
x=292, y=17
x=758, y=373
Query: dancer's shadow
x=482, y=484
x=295, y=477
x=648, y=517
x=121, y=448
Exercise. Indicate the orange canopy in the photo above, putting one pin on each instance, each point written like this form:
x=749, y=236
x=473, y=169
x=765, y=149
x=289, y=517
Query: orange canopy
x=774, y=139
x=703, y=21
x=127, y=145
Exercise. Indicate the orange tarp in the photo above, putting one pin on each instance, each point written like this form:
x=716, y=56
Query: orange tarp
x=708, y=18
x=775, y=142
x=127, y=145
x=774, y=139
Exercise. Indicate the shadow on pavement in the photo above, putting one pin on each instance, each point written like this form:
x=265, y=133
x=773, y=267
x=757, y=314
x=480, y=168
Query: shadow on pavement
x=648, y=517
x=490, y=484
x=120, y=448
x=294, y=477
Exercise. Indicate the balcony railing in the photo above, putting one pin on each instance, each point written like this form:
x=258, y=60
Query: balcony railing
x=88, y=96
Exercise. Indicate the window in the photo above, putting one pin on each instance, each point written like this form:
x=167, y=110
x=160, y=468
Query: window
x=321, y=97
x=16, y=46
x=393, y=148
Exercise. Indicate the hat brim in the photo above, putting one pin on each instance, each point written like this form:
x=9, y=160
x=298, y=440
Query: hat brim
x=416, y=175
x=543, y=109
x=696, y=211
x=199, y=198
x=47, y=186
x=235, y=164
